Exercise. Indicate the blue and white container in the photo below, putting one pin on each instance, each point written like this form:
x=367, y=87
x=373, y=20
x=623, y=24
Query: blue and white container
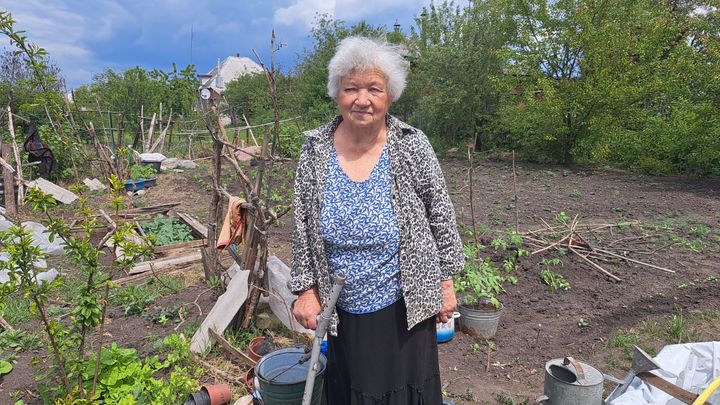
x=446, y=331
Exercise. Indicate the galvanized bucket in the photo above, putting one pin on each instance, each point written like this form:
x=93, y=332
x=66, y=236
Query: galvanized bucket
x=282, y=378
x=570, y=382
x=482, y=323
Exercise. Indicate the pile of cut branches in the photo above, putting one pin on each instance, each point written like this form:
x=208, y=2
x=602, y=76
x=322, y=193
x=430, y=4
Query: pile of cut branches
x=592, y=244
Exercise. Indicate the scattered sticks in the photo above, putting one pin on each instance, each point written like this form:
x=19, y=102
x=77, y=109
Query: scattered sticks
x=570, y=237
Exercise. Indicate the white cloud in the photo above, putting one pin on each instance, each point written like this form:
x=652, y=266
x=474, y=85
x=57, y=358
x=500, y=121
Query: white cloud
x=67, y=32
x=304, y=12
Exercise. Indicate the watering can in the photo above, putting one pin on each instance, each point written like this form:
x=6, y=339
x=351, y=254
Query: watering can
x=570, y=382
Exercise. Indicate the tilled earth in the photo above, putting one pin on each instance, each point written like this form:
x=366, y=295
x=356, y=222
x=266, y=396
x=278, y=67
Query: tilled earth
x=676, y=228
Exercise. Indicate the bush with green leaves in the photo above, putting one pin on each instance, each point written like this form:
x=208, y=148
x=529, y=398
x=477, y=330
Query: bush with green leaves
x=124, y=378
x=482, y=278
x=69, y=376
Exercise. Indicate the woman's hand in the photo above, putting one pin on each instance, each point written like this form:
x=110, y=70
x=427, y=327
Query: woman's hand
x=307, y=307
x=449, y=302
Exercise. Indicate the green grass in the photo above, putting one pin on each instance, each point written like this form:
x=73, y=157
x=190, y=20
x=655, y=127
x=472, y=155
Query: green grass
x=653, y=334
x=17, y=309
x=506, y=399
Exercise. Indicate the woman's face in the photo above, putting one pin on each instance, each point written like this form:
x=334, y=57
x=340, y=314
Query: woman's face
x=363, y=98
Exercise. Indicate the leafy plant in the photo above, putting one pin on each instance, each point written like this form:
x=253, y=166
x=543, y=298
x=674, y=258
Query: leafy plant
x=5, y=367
x=161, y=315
x=165, y=230
x=142, y=171
x=134, y=299
x=554, y=280
x=68, y=343
x=125, y=378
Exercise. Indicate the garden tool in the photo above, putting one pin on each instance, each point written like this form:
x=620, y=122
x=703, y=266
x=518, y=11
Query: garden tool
x=322, y=324
x=641, y=362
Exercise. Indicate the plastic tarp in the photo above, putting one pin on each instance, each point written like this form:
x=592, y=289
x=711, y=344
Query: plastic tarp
x=691, y=366
x=152, y=157
x=280, y=298
x=41, y=238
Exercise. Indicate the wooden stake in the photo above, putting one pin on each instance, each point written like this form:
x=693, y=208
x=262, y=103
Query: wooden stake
x=230, y=349
x=635, y=261
x=18, y=162
x=517, y=212
x=597, y=266
x=148, y=141
x=8, y=185
x=5, y=325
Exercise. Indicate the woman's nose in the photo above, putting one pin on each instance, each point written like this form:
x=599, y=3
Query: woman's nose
x=362, y=99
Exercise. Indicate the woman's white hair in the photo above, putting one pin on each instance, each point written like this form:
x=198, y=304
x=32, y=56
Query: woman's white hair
x=362, y=53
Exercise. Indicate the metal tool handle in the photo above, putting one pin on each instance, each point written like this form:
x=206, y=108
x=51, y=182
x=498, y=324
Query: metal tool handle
x=579, y=372
x=320, y=330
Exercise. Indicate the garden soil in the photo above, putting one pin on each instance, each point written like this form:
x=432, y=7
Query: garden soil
x=537, y=325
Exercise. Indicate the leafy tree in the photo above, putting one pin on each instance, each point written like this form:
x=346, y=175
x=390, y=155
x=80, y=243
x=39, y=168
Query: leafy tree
x=629, y=83
x=451, y=76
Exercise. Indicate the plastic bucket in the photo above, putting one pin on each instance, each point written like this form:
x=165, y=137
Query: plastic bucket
x=446, y=330
x=481, y=322
x=282, y=379
x=134, y=184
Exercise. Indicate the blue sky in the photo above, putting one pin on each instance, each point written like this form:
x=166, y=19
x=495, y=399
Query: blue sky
x=84, y=37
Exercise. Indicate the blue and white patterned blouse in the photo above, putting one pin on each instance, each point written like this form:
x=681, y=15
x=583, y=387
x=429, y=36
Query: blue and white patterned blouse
x=362, y=237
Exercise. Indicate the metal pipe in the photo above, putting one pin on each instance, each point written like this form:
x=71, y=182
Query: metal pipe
x=323, y=321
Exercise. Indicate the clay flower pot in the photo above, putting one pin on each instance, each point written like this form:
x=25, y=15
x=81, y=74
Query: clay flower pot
x=254, y=346
x=219, y=393
x=249, y=379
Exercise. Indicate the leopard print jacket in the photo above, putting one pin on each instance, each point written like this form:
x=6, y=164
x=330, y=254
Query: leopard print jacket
x=430, y=246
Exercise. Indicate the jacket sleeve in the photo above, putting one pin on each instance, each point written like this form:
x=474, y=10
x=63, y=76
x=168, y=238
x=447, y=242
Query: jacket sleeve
x=303, y=272
x=433, y=192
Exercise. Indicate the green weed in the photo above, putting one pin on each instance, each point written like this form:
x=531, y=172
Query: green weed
x=17, y=309
x=506, y=399
x=677, y=325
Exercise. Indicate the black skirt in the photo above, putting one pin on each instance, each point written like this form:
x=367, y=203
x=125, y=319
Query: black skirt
x=375, y=360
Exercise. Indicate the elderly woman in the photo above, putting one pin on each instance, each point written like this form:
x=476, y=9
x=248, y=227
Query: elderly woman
x=371, y=203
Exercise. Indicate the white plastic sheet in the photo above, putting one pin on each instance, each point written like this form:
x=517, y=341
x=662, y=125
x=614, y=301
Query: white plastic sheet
x=280, y=297
x=41, y=238
x=152, y=157
x=692, y=366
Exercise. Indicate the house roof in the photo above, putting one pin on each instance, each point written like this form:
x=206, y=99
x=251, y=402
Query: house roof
x=230, y=69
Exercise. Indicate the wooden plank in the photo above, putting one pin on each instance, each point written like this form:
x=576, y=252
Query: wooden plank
x=58, y=193
x=8, y=185
x=196, y=243
x=172, y=262
x=135, y=278
x=150, y=209
x=222, y=313
x=180, y=251
x=18, y=162
x=230, y=349
x=196, y=226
